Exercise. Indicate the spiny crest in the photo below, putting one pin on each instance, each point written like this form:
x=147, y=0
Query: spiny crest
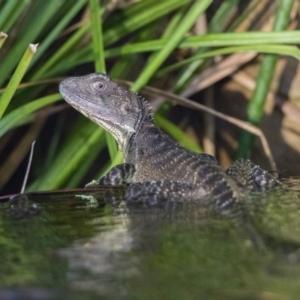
x=146, y=108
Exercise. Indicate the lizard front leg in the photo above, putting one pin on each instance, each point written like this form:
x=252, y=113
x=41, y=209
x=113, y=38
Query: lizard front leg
x=118, y=175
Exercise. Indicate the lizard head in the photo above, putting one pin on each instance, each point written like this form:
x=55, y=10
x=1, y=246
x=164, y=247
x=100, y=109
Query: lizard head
x=108, y=104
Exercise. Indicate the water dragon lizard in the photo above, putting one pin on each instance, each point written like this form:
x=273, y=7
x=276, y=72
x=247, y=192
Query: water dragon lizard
x=156, y=168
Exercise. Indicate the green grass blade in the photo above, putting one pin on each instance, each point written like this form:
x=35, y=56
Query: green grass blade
x=16, y=78
x=5, y=11
x=264, y=78
x=3, y=37
x=213, y=40
x=24, y=113
x=85, y=164
x=139, y=17
x=244, y=15
x=51, y=36
x=66, y=48
x=188, y=20
x=217, y=24
x=97, y=36
x=11, y=12
x=99, y=59
x=292, y=51
x=84, y=139
x=29, y=33
x=221, y=17
x=172, y=26
x=245, y=38
x=132, y=19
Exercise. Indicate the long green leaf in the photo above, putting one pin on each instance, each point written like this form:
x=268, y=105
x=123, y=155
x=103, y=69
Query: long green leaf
x=66, y=48
x=24, y=113
x=213, y=40
x=11, y=12
x=216, y=25
x=16, y=78
x=99, y=59
x=266, y=72
x=3, y=37
x=56, y=30
x=244, y=14
x=85, y=165
x=292, y=51
x=97, y=36
x=188, y=20
x=133, y=18
x=28, y=33
x=138, y=17
x=85, y=138
x=223, y=14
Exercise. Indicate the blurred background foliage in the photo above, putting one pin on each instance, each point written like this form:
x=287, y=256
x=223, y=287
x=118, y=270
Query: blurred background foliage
x=238, y=57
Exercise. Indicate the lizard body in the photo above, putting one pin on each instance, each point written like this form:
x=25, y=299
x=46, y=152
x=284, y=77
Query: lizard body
x=156, y=168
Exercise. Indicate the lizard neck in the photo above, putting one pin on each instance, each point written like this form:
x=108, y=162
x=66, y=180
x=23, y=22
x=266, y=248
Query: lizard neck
x=143, y=125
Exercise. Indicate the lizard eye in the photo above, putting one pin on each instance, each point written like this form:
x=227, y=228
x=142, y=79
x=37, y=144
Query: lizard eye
x=99, y=86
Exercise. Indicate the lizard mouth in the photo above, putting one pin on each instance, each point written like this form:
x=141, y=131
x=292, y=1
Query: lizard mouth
x=69, y=90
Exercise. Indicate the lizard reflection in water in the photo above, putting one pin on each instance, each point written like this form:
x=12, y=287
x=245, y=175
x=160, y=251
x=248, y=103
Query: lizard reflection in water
x=157, y=169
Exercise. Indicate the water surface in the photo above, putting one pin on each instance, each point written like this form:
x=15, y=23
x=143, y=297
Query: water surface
x=71, y=247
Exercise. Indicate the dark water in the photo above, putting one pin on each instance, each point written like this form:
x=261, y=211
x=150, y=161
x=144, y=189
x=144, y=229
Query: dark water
x=68, y=247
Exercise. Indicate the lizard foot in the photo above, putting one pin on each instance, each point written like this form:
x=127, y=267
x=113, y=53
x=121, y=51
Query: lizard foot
x=252, y=176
